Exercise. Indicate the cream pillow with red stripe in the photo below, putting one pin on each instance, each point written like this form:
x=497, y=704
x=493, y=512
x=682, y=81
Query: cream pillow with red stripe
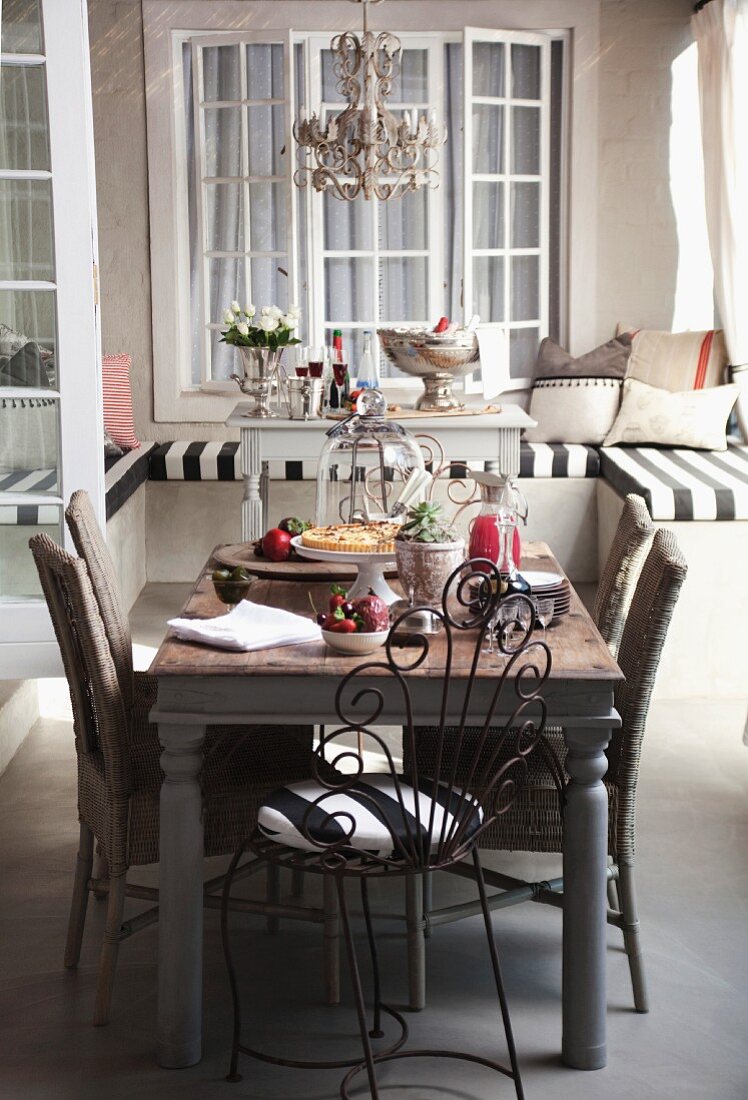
x=118, y=415
x=677, y=361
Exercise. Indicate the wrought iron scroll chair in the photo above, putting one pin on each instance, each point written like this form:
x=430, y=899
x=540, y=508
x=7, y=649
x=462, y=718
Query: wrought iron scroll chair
x=119, y=779
x=535, y=825
x=361, y=826
x=291, y=743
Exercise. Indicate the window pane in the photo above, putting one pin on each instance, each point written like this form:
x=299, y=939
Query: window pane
x=267, y=217
x=525, y=200
x=403, y=222
x=349, y=289
x=488, y=288
x=265, y=71
x=29, y=445
x=488, y=68
x=26, y=243
x=488, y=138
x=404, y=289
x=22, y=27
x=27, y=316
x=23, y=118
x=224, y=231
x=349, y=226
x=18, y=575
x=525, y=72
x=223, y=141
x=225, y=283
x=221, y=79
x=330, y=93
x=488, y=215
x=525, y=288
x=266, y=140
x=523, y=351
x=270, y=282
x=224, y=359
x=526, y=141
x=410, y=84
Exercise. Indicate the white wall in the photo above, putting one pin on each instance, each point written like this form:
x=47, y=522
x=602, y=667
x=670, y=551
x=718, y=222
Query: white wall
x=637, y=250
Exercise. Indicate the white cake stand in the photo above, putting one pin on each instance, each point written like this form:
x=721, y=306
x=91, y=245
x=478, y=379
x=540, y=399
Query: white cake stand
x=370, y=567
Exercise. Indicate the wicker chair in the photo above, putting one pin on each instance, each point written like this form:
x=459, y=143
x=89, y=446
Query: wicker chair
x=630, y=544
x=534, y=824
x=119, y=780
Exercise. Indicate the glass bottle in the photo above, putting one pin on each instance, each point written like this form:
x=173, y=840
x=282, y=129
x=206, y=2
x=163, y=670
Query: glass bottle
x=367, y=371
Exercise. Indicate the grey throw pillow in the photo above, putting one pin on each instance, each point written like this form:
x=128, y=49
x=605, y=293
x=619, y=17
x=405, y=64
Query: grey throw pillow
x=610, y=360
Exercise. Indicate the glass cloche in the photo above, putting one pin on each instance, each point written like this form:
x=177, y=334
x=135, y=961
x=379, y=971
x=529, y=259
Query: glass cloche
x=384, y=456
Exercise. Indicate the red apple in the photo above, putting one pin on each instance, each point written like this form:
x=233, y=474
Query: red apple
x=276, y=545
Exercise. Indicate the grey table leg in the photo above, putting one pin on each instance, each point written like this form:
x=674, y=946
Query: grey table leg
x=585, y=901
x=180, y=922
x=253, y=520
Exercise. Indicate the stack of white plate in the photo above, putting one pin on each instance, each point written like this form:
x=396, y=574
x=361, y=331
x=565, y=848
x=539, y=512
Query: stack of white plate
x=549, y=586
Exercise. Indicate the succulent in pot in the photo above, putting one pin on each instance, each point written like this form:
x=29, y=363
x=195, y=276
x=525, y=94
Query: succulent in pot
x=427, y=549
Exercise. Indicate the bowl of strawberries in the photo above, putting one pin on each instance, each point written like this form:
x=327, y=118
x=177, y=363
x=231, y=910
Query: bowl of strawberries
x=356, y=627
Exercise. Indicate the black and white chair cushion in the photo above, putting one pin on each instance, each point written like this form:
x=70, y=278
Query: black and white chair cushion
x=372, y=804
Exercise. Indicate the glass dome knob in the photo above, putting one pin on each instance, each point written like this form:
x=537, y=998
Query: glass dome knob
x=371, y=403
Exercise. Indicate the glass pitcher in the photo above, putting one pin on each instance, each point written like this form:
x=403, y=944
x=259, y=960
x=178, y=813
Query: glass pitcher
x=501, y=503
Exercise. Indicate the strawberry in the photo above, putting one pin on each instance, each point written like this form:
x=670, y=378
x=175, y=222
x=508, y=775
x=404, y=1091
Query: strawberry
x=336, y=601
x=343, y=626
x=442, y=324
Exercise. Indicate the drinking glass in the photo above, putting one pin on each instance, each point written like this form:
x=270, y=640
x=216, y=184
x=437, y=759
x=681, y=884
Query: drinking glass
x=316, y=361
x=544, y=613
x=514, y=618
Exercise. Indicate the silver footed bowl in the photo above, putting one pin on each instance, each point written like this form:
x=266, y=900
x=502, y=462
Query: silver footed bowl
x=434, y=358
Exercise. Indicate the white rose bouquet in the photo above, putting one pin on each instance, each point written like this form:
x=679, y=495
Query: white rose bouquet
x=272, y=329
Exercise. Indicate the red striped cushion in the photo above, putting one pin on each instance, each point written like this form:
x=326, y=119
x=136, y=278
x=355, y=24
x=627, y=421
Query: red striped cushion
x=118, y=414
x=677, y=360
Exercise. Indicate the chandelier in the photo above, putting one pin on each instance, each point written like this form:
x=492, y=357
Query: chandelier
x=366, y=149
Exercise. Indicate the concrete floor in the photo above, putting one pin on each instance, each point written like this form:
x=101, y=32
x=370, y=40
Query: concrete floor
x=693, y=829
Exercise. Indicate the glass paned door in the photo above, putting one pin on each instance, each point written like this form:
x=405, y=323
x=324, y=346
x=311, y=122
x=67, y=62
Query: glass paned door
x=50, y=406
x=506, y=188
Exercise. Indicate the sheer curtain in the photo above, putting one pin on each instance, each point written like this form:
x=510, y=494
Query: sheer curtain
x=721, y=31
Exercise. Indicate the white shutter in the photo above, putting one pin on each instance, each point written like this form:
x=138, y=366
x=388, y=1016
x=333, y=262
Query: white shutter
x=506, y=126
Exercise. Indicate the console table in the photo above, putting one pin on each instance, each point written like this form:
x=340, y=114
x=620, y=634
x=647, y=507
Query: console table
x=487, y=437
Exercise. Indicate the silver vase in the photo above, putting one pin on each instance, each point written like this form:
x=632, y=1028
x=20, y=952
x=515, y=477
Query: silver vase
x=261, y=370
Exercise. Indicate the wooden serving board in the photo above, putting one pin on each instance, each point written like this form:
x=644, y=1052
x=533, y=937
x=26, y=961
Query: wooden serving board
x=424, y=414
x=298, y=569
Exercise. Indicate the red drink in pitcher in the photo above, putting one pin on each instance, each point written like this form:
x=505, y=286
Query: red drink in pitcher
x=484, y=539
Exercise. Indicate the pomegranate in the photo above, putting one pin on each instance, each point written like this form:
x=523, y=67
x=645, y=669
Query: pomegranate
x=276, y=544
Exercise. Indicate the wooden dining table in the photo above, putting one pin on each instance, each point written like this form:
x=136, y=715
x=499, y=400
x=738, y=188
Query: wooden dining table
x=200, y=686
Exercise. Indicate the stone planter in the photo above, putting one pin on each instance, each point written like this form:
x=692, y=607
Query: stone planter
x=423, y=568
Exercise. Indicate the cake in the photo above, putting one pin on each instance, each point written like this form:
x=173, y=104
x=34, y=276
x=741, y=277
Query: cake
x=353, y=538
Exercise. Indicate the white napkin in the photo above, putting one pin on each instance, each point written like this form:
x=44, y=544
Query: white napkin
x=493, y=344
x=249, y=626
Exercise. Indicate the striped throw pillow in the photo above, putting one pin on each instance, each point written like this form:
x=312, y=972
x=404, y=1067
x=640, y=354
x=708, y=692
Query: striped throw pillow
x=677, y=360
x=118, y=415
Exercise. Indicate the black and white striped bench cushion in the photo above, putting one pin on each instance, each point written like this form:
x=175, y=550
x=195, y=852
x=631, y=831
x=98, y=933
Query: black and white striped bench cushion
x=681, y=484
x=371, y=803
x=29, y=515
x=183, y=461
x=124, y=474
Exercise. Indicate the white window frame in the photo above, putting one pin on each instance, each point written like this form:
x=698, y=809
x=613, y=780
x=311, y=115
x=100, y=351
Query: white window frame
x=27, y=644
x=507, y=177
x=166, y=22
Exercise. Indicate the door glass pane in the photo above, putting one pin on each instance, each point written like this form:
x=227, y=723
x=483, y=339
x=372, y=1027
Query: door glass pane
x=488, y=288
x=410, y=84
x=18, y=576
x=27, y=338
x=22, y=27
x=267, y=140
x=23, y=117
x=488, y=215
x=223, y=141
x=224, y=359
x=226, y=283
x=348, y=225
x=404, y=289
x=403, y=222
x=526, y=141
x=267, y=217
x=525, y=288
x=265, y=71
x=29, y=445
x=523, y=351
x=224, y=211
x=349, y=289
x=221, y=79
x=330, y=93
x=525, y=72
x=488, y=138
x=270, y=282
x=26, y=229
x=488, y=69
x=525, y=200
